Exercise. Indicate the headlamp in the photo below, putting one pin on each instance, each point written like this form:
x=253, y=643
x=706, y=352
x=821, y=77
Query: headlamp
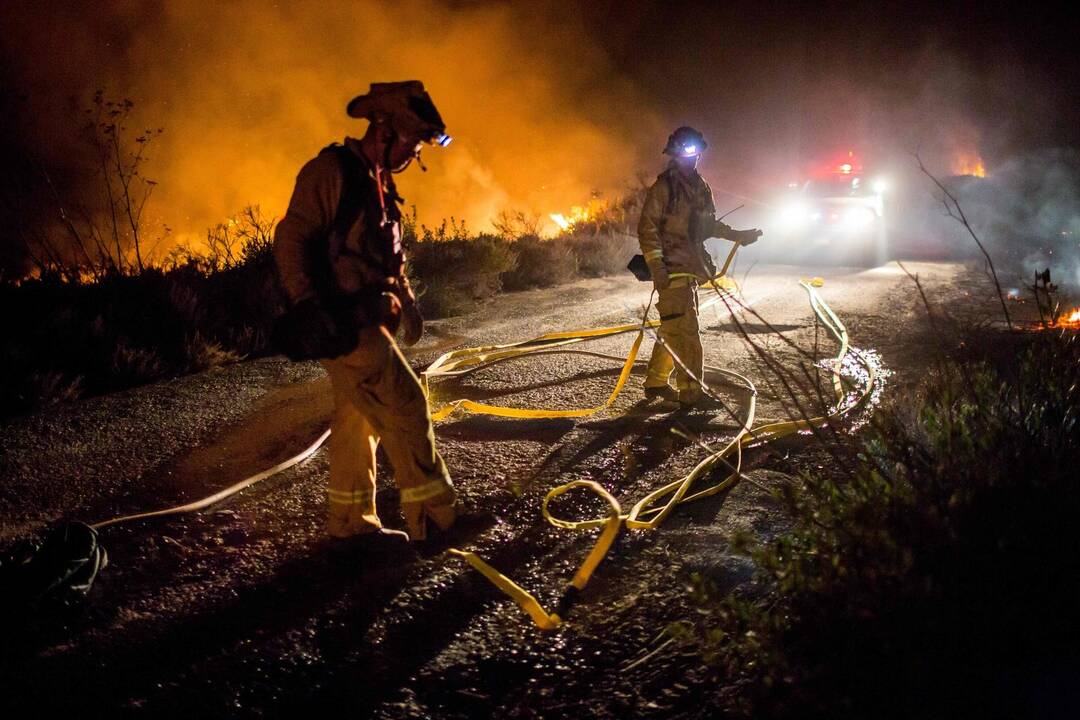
x=689, y=150
x=442, y=139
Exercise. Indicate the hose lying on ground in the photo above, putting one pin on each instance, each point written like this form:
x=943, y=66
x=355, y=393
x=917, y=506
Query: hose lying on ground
x=62, y=563
x=648, y=512
x=65, y=561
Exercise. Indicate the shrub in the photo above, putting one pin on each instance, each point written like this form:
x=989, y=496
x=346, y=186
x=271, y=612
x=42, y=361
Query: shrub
x=541, y=263
x=52, y=387
x=940, y=577
x=603, y=253
x=450, y=275
x=134, y=365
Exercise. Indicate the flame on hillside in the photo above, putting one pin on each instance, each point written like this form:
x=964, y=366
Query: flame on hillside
x=968, y=163
x=580, y=214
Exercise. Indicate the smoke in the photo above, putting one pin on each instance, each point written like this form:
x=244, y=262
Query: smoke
x=1027, y=213
x=248, y=91
x=547, y=101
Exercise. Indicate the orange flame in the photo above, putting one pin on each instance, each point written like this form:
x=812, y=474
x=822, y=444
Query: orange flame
x=968, y=163
x=579, y=214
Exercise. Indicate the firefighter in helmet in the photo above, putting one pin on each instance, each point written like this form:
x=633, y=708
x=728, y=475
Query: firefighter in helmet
x=340, y=261
x=677, y=218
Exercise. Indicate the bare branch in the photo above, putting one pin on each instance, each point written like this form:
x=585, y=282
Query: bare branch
x=955, y=211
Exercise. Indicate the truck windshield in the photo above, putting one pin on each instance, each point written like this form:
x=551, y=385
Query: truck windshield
x=838, y=186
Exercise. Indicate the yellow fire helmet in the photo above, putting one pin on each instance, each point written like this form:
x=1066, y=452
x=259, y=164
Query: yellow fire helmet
x=406, y=106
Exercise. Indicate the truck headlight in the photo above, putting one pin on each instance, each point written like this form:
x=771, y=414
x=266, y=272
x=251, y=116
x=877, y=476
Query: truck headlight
x=793, y=216
x=858, y=218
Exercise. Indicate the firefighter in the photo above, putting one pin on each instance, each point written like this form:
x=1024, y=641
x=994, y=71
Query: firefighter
x=676, y=219
x=340, y=261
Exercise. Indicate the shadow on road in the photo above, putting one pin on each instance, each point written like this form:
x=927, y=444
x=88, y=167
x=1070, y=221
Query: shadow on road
x=754, y=328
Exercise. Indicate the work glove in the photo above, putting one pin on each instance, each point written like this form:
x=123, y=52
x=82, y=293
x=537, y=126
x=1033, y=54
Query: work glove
x=660, y=277
x=710, y=266
x=746, y=237
x=389, y=311
x=309, y=330
x=412, y=322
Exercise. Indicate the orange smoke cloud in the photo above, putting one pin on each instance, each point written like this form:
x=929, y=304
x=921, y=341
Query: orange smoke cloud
x=248, y=91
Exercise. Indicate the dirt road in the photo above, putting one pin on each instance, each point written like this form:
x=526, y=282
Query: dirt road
x=243, y=611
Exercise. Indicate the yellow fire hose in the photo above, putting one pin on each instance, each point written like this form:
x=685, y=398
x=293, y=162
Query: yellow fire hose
x=221, y=494
x=648, y=512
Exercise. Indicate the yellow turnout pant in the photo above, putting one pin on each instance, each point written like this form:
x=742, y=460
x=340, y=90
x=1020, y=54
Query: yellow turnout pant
x=378, y=398
x=678, y=308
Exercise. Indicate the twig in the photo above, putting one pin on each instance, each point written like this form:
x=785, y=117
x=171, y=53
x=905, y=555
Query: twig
x=649, y=656
x=957, y=213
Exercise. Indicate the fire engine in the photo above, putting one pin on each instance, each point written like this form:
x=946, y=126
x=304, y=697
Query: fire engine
x=837, y=215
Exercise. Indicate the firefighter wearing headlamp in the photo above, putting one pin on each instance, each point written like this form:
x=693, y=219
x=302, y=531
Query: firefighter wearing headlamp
x=677, y=218
x=340, y=261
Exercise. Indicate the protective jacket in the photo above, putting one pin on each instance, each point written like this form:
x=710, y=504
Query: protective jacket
x=342, y=231
x=677, y=218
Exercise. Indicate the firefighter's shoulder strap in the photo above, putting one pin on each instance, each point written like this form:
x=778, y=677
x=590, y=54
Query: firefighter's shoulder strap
x=351, y=201
x=668, y=178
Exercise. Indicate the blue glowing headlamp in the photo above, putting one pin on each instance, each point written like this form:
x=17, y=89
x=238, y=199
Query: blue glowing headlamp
x=442, y=140
x=690, y=150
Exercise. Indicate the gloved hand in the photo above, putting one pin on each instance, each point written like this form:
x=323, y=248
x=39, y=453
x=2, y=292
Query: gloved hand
x=308, y=331
x=389, y=311
x=660, y=277
x=412, y=322
x=747, y=237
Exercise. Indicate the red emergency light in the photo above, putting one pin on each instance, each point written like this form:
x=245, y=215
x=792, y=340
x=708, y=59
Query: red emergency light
x=846, y=163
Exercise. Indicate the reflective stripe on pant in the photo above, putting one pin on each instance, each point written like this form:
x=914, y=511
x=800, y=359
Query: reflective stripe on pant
x=378, y=398
x=678, y=308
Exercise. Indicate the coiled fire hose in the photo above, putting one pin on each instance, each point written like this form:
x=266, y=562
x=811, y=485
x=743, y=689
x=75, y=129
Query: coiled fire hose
x=648, y=512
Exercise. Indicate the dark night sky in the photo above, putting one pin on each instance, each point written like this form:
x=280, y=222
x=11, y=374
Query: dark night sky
x=1017, y=64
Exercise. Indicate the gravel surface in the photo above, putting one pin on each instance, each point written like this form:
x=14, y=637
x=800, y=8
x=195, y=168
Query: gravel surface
x=246, y=610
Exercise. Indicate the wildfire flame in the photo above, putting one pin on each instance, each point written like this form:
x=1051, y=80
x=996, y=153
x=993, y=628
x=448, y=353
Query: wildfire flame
x=968, y=163
x=579, y=214
x=1069, y=320
x=561, y=221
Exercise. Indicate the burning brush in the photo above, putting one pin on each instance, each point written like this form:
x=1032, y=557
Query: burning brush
x=1046, y=300
x=1070, y=320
